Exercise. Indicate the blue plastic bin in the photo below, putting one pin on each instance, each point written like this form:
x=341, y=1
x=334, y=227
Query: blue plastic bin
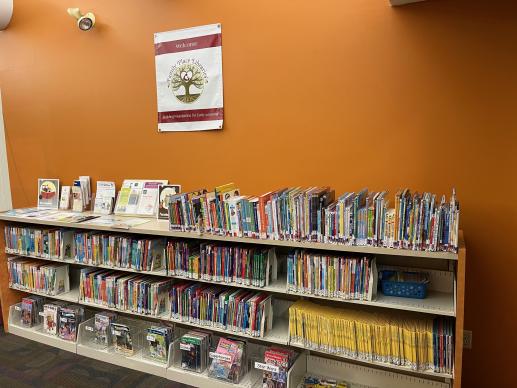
x=415, y=290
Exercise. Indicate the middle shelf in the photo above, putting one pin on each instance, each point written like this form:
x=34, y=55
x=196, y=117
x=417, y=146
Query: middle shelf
x=439, y=302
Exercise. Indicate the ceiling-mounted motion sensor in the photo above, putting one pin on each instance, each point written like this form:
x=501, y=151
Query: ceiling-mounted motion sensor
x=84, y=22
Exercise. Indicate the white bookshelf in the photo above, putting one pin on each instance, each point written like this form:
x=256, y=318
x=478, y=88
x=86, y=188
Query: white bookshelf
x=445, y=299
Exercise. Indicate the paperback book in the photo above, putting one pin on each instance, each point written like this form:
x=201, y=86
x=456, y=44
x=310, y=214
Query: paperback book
x=69, y=319
x=102, y=323
x=228, y=361
x=122, y=339
x=158, y=340
x=31, y=307
x=51, y=316
x=194, y=347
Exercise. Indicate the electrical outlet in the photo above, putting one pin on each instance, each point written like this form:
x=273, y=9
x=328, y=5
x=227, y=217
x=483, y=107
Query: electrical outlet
x=467, y=339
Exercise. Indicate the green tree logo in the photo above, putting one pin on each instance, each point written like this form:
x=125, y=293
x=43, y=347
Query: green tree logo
x=187, y=81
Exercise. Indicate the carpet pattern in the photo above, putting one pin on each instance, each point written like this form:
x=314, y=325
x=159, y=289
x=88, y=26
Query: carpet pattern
x=25, y=363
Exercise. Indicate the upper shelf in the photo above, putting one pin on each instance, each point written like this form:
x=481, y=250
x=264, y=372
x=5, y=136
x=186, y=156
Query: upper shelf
x=161, y=228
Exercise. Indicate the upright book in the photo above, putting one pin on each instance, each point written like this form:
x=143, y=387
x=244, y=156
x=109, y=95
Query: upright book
x=48, y=193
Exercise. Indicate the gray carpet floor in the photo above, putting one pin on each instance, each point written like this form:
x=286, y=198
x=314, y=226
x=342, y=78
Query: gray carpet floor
x=25, y=363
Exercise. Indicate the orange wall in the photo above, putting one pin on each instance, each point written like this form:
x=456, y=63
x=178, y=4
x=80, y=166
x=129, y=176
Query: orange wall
x=347, y=93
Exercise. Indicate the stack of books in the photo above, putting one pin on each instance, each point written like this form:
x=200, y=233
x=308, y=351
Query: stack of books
x=419, y=343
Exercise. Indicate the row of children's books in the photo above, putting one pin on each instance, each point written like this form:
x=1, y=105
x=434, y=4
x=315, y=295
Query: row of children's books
x=331, y=276
x=38, y=276
x=57, y=318
x=417, y=343
x=142, y=254
x=54, y=243
x=237, y=310
x=237, y=264
x=135, y=293
x=412, y=221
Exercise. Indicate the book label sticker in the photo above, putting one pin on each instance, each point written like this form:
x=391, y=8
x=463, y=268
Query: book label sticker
x=17, y=308
x=88, y=328
x=185, y=346
x=267, y=367
x=220, y=357
x=151, y=338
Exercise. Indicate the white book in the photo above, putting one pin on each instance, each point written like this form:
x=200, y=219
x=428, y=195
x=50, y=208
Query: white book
x=64, y=203
x=235, y=229
x=77, y=197
x=87, y=189
x=106, y=189
x=148, y=203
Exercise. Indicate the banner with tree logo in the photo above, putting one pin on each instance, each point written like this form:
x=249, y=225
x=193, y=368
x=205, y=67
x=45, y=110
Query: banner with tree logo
x=189, y=79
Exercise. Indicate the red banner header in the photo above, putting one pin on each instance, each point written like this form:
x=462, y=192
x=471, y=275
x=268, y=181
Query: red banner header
x=199, y=42
x=190, y=115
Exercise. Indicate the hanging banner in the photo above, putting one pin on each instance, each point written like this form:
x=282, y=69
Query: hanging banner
x=189, y=79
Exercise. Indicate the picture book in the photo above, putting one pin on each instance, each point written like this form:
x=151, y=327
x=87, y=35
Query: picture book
x=194, y=348
x=69, y=319
x=51, y=316
x=48, y=193
x=102, y=324
x=277, y=362
x=158, y=339
x=165, y=191
x=31, y=307
x=122, y=339
x=228, y=361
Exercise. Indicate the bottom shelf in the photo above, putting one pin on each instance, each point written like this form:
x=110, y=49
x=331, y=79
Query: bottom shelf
x=135, y=362
x=35, y=334
x=252, y=379
x=357, y=376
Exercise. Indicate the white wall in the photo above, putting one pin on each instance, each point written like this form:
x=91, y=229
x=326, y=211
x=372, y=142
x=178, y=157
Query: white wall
x=5, y=186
